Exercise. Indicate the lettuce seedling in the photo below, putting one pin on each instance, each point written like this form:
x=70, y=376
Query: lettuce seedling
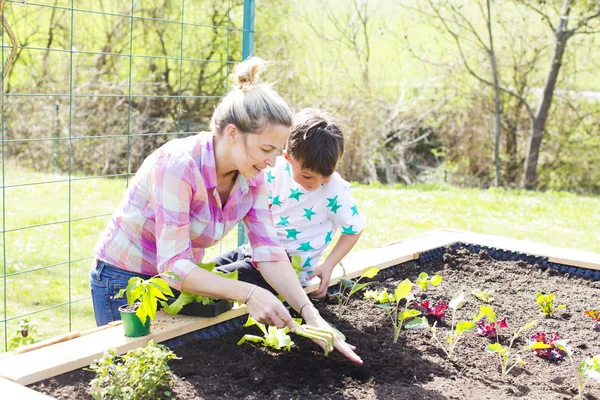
x=390, y=303
x=273, y=337
x=549, y=346
x=145, y=294
x=508, y=358
x=456, y=330
x=589, y=369
x=348, y=287
x=489, y=330
x=546, y=301
x=186, y=298
x=484, y=296
x=423, y=280
x=595, y=315
x=437, y=311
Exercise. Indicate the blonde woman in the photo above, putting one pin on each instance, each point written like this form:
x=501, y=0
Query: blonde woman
x=190, y=193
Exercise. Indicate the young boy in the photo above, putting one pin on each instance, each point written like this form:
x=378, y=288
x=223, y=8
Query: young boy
x=309, y=202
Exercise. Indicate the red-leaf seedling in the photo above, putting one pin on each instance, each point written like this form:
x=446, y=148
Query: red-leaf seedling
x=595, y=315
x=549, y=345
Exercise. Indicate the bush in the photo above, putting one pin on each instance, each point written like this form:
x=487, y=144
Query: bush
x=138, y=375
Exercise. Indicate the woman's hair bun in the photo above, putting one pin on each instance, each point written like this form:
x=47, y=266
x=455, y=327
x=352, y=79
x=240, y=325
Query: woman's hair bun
x=246, y=74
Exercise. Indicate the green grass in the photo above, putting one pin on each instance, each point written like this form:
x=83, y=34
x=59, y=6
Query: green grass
x=559, y=219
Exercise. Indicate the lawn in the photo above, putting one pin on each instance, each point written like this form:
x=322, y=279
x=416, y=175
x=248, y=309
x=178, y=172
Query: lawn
x=39, y=241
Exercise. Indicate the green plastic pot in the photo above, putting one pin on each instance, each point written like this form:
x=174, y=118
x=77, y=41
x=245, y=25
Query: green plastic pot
x=132, y=325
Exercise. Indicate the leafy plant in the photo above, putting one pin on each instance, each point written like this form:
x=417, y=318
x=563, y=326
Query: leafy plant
x=390, y=303
x=423, y=280
x=24, y=334
x=545, y=301
x=489, y=330
x=278, y=338
x=186, y=298
x=297, y=264
x=456, y=329
x=595, y=315
x=549, y=346
x=589, y=369
x=140, y=374
x=508, y=358
x=146, y=293
x=349, y=287
x=484, y=296
x=438, y=310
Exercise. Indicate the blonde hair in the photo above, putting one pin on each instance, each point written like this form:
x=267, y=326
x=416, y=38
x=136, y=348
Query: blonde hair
x=251, y=107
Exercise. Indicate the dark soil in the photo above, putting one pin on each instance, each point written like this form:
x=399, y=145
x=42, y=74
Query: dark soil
x=413, y=368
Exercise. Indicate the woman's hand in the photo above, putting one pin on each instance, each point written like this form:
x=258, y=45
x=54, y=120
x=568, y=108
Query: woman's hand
x=265, y=308
x=313, y=318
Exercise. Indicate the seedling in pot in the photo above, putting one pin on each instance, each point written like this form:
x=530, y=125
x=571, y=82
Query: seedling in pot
x=423, y=280
x=390, y=303
x=589, y=369
x=508, y=358
x=349, y=287
x=484, y=296
x=595, y=315
x=143, y=295
x=545, y=301
x=456, y=330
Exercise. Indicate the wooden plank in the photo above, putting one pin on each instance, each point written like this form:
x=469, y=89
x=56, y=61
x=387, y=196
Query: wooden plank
x=12, y=390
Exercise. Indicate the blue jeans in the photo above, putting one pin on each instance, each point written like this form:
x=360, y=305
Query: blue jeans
x=105, y=282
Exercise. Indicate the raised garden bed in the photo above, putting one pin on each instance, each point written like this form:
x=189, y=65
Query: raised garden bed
x=415, y=367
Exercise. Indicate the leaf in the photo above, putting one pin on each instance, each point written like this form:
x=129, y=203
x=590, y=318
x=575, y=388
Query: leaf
x=563, y=345
x=495, y=348
x=208, y=266
x=347, y=282
x=436, y=280
x=417, y=324
x=464, y=326
x=297, y=263
x=357, y=287
x=560, y=307
x=161, y=285
x=538, y=345
x=528, y=325
x=183, y=299
x=385, y=306
x=370, y=273
x=250, y=338
x=489, y=312
x=457, y=301
x=403, y=290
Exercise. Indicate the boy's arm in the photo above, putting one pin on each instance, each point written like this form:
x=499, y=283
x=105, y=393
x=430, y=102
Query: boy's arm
x=339, y=251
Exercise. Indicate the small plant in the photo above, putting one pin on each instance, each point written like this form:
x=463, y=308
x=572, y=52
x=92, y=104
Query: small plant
x=140, y=374
x=297, y=264
x=489, y=330
x=545, y=301
x=456, y=330
x=549, y=346
x=437, y=311
x=143, y=295
x=349, y=287
x=423, y=280
x=25, y=333
x=186, y=298
x=390, y=303
x=278, y=338
x=589, y=369
x=484, y=296
x=595, y=315
x=508, y=358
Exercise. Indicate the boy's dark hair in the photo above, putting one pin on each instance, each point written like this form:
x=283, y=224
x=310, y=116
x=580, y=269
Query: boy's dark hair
x=316, y=141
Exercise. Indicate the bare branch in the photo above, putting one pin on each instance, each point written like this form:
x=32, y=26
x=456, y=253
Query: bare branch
x=545, y=16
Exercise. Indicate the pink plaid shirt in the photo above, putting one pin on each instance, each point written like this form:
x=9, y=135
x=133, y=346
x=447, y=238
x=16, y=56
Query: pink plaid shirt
x=172, y=211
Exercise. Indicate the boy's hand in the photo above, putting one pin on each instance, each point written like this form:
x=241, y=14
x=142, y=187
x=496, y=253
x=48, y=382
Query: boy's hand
x=323, y=271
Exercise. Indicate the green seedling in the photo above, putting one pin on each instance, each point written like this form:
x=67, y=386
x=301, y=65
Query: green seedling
x=390, y=303
x=325, y=337
x=456, y=329
x=349, y=287
x=588, y=370
x=508, y=358
x=145, y=294
x=423, y=280
x=186, y=298
x=484, y=296
x=545, y=301
x=141, y=374
x=274, y=337
x=24, y=334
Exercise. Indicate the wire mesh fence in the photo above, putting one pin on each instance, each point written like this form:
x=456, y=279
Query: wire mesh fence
x=96, y=85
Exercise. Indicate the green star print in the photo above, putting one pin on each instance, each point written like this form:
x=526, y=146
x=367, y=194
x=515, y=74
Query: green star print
x=292, y=233
x=348, y=230
x=305, y=246
x=296, y=193
x=283, y=221
x=308, y=213
x=276, y=201
x=354, y=210
x=306, y=263
x=329, y=238
x=270, y=177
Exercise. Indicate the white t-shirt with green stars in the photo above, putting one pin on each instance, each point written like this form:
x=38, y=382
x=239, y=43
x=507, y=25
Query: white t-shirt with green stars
x=306, y=221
